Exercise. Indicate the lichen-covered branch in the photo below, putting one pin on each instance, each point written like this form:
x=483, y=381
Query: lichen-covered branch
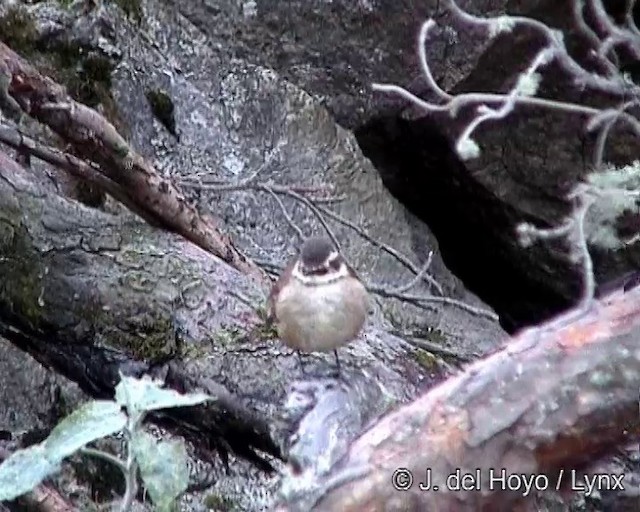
x=490, y=106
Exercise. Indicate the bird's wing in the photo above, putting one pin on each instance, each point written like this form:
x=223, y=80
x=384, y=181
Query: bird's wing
x=275, y=290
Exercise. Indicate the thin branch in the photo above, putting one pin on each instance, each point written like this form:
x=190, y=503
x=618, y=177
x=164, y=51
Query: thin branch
x=283, y=208
x=615, y=35
x=475, y=98
x=384, y=247
x=432, y=299
x=74, y=166
x=583, y=77
x=630, y=23
x=314, y=209
x=424, y=63
x=574, y=228
x=577, y=7
x=555, y=50
x=320, y=212
x=588, y=280
x=607, y=119
x=418, y=277
x=542, y=58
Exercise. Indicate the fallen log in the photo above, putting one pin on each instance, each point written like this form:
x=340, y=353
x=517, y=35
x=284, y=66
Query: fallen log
x=518, y=421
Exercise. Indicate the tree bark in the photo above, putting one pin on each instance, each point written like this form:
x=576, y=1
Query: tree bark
x=93, y=137
x=91, y=295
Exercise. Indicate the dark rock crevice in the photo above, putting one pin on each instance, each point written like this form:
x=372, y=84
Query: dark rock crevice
x=474, y=228
x=529, y=162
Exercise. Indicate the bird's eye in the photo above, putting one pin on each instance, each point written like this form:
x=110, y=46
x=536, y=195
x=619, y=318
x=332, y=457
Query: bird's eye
x=335, y=263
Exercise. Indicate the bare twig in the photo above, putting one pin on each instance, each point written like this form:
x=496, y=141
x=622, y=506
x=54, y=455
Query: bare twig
x=585, y=195
x=74, y=166
x=283, y=208
x=630, y=23
x=406, y=262
x=598, y=119
x=320, y=212
x=583, y=77
x=418, y=277
x=616, y=36
x=607, y=120
x=317, y=209
x=592, y=37
x=432, y=299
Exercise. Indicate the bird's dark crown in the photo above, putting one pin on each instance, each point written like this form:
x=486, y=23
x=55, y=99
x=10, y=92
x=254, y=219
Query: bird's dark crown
x=315, y=253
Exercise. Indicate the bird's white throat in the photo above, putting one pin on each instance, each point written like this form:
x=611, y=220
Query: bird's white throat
x=318, y=280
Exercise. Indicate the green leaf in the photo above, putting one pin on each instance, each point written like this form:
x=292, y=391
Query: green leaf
x=23, y=470
x=140, y=395
x=163, y=468
x=93, y=420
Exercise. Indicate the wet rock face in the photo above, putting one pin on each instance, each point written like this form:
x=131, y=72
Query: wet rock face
x=335, y=50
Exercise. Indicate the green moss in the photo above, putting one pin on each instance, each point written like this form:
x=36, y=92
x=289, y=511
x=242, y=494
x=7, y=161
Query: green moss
x=132, y=8
x=89, y=193
x=217, y=503
x=162, y=108
x=227, y=336
x=433, y=335
x=266, y=330
x=23, y=293
x=262, y=313
x=85, y=73
x=192, y=351
x=154, y=339
x=18, y=31
x=426, y=359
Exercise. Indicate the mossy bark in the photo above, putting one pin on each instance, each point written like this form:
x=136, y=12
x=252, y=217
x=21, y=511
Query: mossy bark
x=91, y=277
x=91, y=294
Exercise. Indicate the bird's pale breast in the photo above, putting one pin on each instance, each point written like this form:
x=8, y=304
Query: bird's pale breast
x=321, y=318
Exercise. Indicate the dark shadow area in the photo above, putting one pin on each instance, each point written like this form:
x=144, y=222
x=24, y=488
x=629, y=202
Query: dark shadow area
x=475, y=230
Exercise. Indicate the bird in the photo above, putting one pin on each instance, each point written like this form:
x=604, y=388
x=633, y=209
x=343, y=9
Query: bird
x=318, y=303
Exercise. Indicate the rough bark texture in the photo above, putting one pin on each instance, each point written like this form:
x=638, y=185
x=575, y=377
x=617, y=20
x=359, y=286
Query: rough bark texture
x=554, y=399
x=92, y=290
x=95, y=138
x=77, y=295
x=90, y=294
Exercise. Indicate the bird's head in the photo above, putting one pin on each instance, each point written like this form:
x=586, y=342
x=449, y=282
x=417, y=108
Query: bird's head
x=319, y=262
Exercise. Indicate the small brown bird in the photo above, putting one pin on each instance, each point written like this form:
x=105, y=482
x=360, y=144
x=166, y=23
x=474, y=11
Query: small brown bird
x=318, y=303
